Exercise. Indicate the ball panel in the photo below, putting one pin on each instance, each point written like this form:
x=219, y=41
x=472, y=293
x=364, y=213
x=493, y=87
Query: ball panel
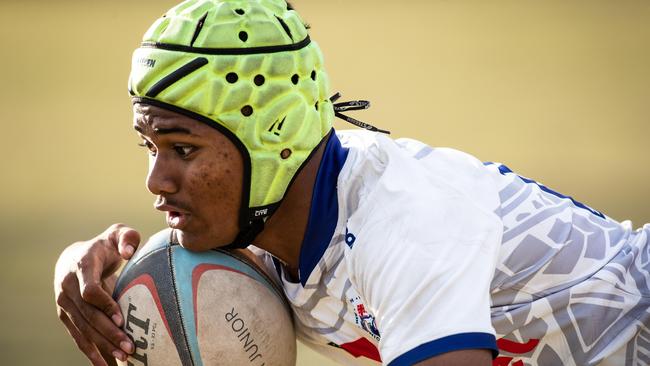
x=153, y=261
x=183, y=262
x=246, y=317
x=145, y=323
x=183, y=258
x=196, y=276
x=140, y=296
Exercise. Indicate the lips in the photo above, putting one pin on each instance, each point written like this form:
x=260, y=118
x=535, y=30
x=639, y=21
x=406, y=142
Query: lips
x=176, y=216
x=176, y=220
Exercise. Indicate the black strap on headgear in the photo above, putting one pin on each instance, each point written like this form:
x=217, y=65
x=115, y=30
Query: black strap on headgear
x=353, y=105
x=246, y=236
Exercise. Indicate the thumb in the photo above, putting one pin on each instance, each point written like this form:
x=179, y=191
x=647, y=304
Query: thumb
x=125, y=239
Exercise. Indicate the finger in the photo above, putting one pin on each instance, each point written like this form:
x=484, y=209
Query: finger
x=89, y=276
x=125, y=239
x=129, y=240
x=109, y=283
x=88, y=332
x=83, y=344
x=88, y=349
x=105, y=326
x=110, y=359
x=95, y=295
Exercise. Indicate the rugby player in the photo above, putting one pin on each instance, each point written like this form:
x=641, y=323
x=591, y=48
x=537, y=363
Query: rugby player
x=389, y=251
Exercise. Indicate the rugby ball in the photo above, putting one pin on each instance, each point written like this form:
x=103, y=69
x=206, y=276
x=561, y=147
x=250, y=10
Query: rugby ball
x=211, y=308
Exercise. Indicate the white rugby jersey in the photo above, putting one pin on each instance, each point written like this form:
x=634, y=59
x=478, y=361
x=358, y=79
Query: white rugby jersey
x=413, y=251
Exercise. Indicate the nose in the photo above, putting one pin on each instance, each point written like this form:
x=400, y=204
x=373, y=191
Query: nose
x=161, y=177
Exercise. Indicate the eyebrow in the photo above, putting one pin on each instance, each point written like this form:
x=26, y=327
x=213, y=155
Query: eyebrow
x=166, y=131
x=170, y=130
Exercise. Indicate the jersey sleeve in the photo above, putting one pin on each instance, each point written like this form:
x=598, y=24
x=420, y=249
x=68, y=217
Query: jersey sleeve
x=423, y=266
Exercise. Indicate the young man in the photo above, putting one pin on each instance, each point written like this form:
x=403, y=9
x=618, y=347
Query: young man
x=389, y=251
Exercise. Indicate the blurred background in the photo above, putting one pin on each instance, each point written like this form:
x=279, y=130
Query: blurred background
x=558, y=90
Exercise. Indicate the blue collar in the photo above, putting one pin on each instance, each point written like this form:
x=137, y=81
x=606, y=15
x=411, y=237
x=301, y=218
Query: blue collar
x=324, y=211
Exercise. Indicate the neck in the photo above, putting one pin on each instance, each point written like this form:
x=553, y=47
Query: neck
x=284, y=231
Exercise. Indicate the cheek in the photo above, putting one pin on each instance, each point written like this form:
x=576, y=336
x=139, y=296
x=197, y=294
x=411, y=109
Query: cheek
x=215, y=186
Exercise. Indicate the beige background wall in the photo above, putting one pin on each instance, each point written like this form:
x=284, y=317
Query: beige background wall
x=558, y=90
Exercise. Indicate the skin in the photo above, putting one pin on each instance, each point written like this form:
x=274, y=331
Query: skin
x=196, y=174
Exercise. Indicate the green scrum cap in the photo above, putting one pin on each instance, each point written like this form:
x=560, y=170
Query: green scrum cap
x=249, y=69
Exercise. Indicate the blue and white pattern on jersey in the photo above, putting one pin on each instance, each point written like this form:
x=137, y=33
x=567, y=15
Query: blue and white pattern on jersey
x=564, y=284
x=569, y=273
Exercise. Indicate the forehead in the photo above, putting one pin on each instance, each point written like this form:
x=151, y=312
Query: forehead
x=149, y=118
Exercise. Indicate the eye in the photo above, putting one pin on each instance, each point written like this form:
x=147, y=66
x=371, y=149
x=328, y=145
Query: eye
x=149, y=146
x=184, y=150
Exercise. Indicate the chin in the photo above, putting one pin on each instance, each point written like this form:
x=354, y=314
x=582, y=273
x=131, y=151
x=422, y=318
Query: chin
x=200, y=242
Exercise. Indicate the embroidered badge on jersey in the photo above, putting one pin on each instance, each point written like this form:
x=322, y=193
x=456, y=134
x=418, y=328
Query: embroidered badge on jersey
x=364, y=319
